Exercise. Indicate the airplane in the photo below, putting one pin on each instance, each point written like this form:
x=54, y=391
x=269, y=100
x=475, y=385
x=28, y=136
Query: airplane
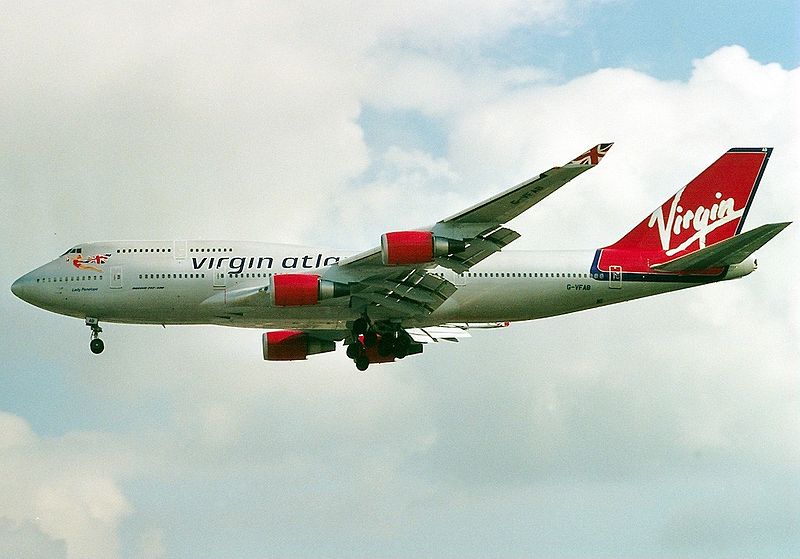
x=424, y=285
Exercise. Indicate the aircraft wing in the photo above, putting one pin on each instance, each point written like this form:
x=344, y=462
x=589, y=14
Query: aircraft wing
x=411, y=290
x=509, y=204
x=481, y=223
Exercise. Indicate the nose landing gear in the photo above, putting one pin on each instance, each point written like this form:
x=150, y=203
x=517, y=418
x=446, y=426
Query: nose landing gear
x=96, y=344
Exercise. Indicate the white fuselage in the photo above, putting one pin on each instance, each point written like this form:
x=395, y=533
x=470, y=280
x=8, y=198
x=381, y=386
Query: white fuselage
x=187, y=282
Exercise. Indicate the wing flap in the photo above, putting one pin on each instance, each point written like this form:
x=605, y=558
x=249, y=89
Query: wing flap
x=412, y=293
x=479, y=248
x=396, y=304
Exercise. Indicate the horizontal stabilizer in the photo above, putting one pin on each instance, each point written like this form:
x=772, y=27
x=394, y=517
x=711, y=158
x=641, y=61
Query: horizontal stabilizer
x=732, y=250
x=448, y=333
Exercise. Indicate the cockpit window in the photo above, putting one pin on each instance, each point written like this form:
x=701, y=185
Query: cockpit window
x=73, y=250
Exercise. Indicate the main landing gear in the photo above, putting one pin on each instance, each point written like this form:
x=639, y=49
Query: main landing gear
x=364, y=336
x=390, y=342
x=96, y=344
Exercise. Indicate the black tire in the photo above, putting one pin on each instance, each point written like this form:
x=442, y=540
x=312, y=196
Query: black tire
x=354, y=350
x=386, y=346
x=370, y=338
x=362, y=362
x=402, y=343
x=97, y=346
x=360, y=326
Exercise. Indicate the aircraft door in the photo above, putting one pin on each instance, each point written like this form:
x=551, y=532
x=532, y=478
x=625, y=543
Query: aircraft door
x=219, y=281
x=615, y=277
x=115, y=281
x=179, y=250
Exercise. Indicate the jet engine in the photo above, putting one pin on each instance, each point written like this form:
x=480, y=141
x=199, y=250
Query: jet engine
x=292, y=345
x=294, y=290
x=416, y=247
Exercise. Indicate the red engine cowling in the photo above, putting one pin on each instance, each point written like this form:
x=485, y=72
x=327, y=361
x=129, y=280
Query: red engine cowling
x=416, y=247
x=293, y=345
x=295, y=290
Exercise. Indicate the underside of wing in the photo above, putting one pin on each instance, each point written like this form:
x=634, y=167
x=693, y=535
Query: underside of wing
x=406, y=293
x=478, y=248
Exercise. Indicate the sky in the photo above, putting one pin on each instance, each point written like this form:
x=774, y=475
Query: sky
x=665, y=427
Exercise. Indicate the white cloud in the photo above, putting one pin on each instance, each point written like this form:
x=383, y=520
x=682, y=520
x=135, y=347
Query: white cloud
x=58, y=494
x=409, y=183
x=24, y=540
x=665, y=134
x=438, y=24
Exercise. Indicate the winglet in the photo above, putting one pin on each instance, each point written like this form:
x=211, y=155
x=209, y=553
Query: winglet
x=592, y=157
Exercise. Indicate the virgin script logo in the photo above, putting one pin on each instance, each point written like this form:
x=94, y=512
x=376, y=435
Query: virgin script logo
x=701, y=220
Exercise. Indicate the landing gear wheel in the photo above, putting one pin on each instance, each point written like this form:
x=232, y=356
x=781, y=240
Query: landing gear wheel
x=96, y=345
x=360, y=326
x=362, y=362
x=370, y=338
x=401, y=344
x=354, y=350
x=386, y=346
x=400, y=352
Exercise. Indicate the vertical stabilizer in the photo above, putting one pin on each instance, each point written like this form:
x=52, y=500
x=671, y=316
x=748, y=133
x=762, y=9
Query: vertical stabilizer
x=710, y=209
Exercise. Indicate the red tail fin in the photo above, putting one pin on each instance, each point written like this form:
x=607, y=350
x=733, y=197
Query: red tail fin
x=710, y=209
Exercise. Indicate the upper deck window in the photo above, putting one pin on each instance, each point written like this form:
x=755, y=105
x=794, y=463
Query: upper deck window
x=73, y=250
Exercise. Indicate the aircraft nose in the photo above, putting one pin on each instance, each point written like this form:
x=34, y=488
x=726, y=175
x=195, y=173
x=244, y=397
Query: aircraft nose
x=18, y=288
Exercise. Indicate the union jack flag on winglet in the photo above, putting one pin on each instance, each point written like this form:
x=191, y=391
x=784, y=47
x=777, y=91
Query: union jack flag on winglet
x=593, y=156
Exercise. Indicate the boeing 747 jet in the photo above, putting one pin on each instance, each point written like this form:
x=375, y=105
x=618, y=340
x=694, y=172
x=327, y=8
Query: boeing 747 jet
x=422, y=285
